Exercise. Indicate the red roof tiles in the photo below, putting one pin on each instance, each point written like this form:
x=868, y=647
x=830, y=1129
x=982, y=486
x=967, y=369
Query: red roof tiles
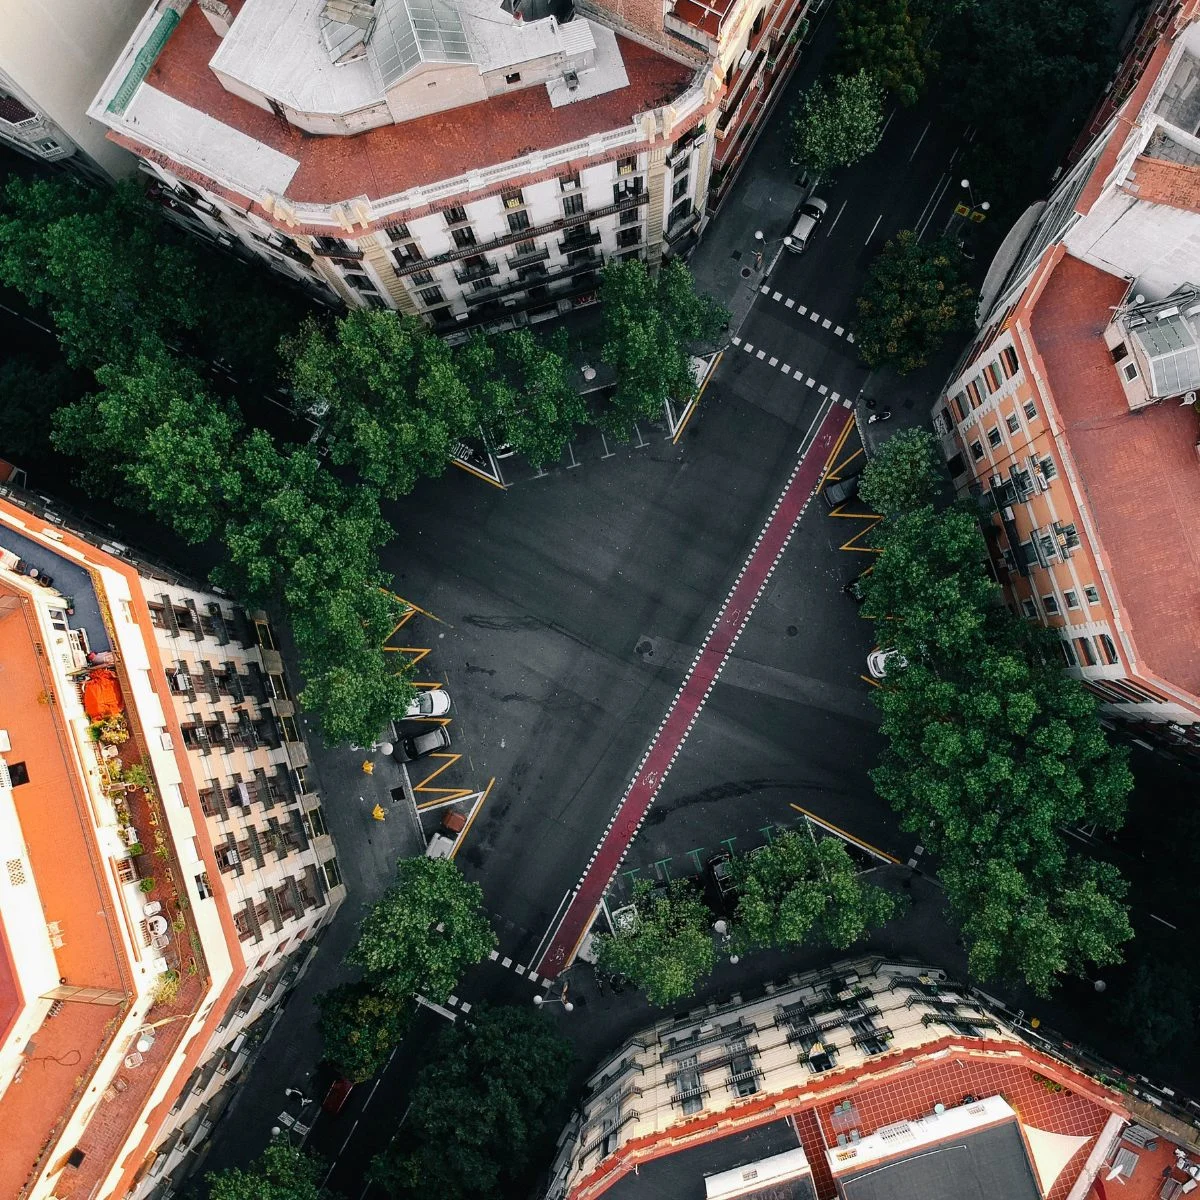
x=382, y=162
x=1139, y=471
x=1160, y=182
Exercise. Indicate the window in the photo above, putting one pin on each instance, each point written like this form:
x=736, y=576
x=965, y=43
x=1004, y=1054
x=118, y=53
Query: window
x=1108, y=649
x=975, y=392
x=977, y=450
x=1050, y=604
x=680, y=212
x=1130, y=371
x=12, y=111
x=1087, y=656
x=515, y=77
x=1068, y=654
x=1048, y=468
x=688, y=1091
x=742, y=1076
x=1092, y=593
x=398, y=233
x=1119, y=351
x=301, y=780
x=314, y=818
x=1030, y=410
x=464, y=236
x=1072, y=598
x=626, y=166
x=18, y=773
x=420, y=278
x=629, y=237
x=290, y=732
x=512, y=198
x=955, y=465
x=1068, y=537
x=681, y=187
x=993, y=436
x=1013, y=422
x=1029, y=608
x=333, y=876
x=455, y=215
x=482, y=285
x=518, y=220
x=992, y=376
x=572, y=205
x=1009, y=362
x=630, y=216
x=959, y=402
x=570, y=182
x=431, y=295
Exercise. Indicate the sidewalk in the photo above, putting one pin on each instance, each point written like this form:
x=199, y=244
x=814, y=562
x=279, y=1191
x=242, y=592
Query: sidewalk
x=368, y=851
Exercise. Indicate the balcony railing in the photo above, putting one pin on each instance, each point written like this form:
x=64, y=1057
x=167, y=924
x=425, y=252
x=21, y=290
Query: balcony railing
x=579, y=242
x=526, y=260
x=479, y=271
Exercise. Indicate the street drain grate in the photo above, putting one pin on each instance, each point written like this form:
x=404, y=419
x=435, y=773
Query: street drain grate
x=736, y=255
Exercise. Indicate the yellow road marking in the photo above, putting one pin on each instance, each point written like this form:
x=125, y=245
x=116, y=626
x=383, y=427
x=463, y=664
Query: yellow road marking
x=471, y=819
x=850, y=546
x=837, y=449
x=847, y=835
x=416, y=608
x=695, y=404
x=836, y=471
x=423, y=786
x=462, y=466
x=872, y=682
x=867, y=516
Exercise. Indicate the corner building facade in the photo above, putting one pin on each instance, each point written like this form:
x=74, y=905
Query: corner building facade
x=471, y=162
x=1072, y=417
x=167, y=862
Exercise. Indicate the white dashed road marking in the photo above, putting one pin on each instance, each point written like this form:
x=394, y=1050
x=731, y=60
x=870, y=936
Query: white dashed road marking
x=790, y=302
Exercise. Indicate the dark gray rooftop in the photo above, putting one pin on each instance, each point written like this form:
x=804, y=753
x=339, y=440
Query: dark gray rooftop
x=681, y=1176
x=988, y=1164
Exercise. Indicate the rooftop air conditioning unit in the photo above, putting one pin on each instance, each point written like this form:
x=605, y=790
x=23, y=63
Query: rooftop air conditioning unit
x=1189, y=398
x=1165, y=313
x=571, y=79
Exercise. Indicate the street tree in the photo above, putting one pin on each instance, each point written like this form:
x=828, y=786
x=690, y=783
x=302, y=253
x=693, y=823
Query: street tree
x=525, y=392
x=360, y=1026
x=651, y=325
x=836, y=124
x=387, y=392
x=1156, y=1008
x=890, y=40
x=423, y=932
x=667, y=948
x=281, y=1172
x=799, y=889
x=914, y=297
x=905, y=473
x=481, y=1111
x=154, y=425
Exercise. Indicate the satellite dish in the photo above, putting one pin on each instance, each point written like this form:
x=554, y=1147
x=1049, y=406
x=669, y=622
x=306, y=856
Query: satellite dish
x=1139, y=299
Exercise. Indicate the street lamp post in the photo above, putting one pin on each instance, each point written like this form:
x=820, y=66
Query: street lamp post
x=983, y=207
x=540, y=1000
x=721, y=929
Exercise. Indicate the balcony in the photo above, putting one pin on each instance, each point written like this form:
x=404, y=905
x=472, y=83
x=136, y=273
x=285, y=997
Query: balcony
x=335, y=249
x=593, y=262
x=527, y=260
x=571, y=243
x=479, y=271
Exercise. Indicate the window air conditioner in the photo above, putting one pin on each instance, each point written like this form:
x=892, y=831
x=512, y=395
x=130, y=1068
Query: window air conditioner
x=231, y=857
x=181, y=682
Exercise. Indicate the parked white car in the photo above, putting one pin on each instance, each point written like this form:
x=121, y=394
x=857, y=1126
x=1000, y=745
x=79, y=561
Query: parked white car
x=879, y=662
x=430, y=702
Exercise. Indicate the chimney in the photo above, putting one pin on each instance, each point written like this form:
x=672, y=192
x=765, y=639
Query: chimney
x=219, y=15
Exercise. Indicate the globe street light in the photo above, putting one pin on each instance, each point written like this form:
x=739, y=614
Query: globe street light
x=539, y=1000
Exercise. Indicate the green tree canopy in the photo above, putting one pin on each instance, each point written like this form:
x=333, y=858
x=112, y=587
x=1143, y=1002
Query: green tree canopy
x=525, y=392
x=668, y=948
x=837, y=124
x=650, y=326
x=388, y=393
x=169, y=442
x=31, y=392
x=798, y=889
x=890, y=39
x=913, y=297
x=424, y=931
x=481, y=1108
x=281, y=1172
x=906, y=473
x=360, y=1026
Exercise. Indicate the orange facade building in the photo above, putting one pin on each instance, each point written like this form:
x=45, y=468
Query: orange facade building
x=1072, y=416
x=138, y=945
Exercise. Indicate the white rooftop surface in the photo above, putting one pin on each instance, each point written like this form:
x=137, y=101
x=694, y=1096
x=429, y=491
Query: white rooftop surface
x=497, y=40
x=607, y=75
x=275, y=47
x=210, y=146
x=760, y=1175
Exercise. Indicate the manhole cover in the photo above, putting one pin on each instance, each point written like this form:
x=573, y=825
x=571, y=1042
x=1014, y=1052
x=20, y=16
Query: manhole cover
x=745, y=272
x=736, y=255
x=645, y=649
x=792, y=631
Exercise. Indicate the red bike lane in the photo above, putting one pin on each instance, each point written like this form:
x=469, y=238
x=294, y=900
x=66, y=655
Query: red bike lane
x=689, y=700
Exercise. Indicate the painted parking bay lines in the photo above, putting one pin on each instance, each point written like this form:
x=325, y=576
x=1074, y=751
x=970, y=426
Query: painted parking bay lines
x=830, y=429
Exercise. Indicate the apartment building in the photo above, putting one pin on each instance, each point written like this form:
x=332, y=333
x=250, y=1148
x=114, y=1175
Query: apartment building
x=167, y=863
x=53, y=57
x=1072, y=415
x=865, y=1080
x=471, y=162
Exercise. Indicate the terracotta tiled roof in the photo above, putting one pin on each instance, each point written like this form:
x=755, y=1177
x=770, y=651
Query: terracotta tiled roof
x=705, y=16
x=1139, y=472
x=394, y=158
x=1044, y=1093
x=1160, y=182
